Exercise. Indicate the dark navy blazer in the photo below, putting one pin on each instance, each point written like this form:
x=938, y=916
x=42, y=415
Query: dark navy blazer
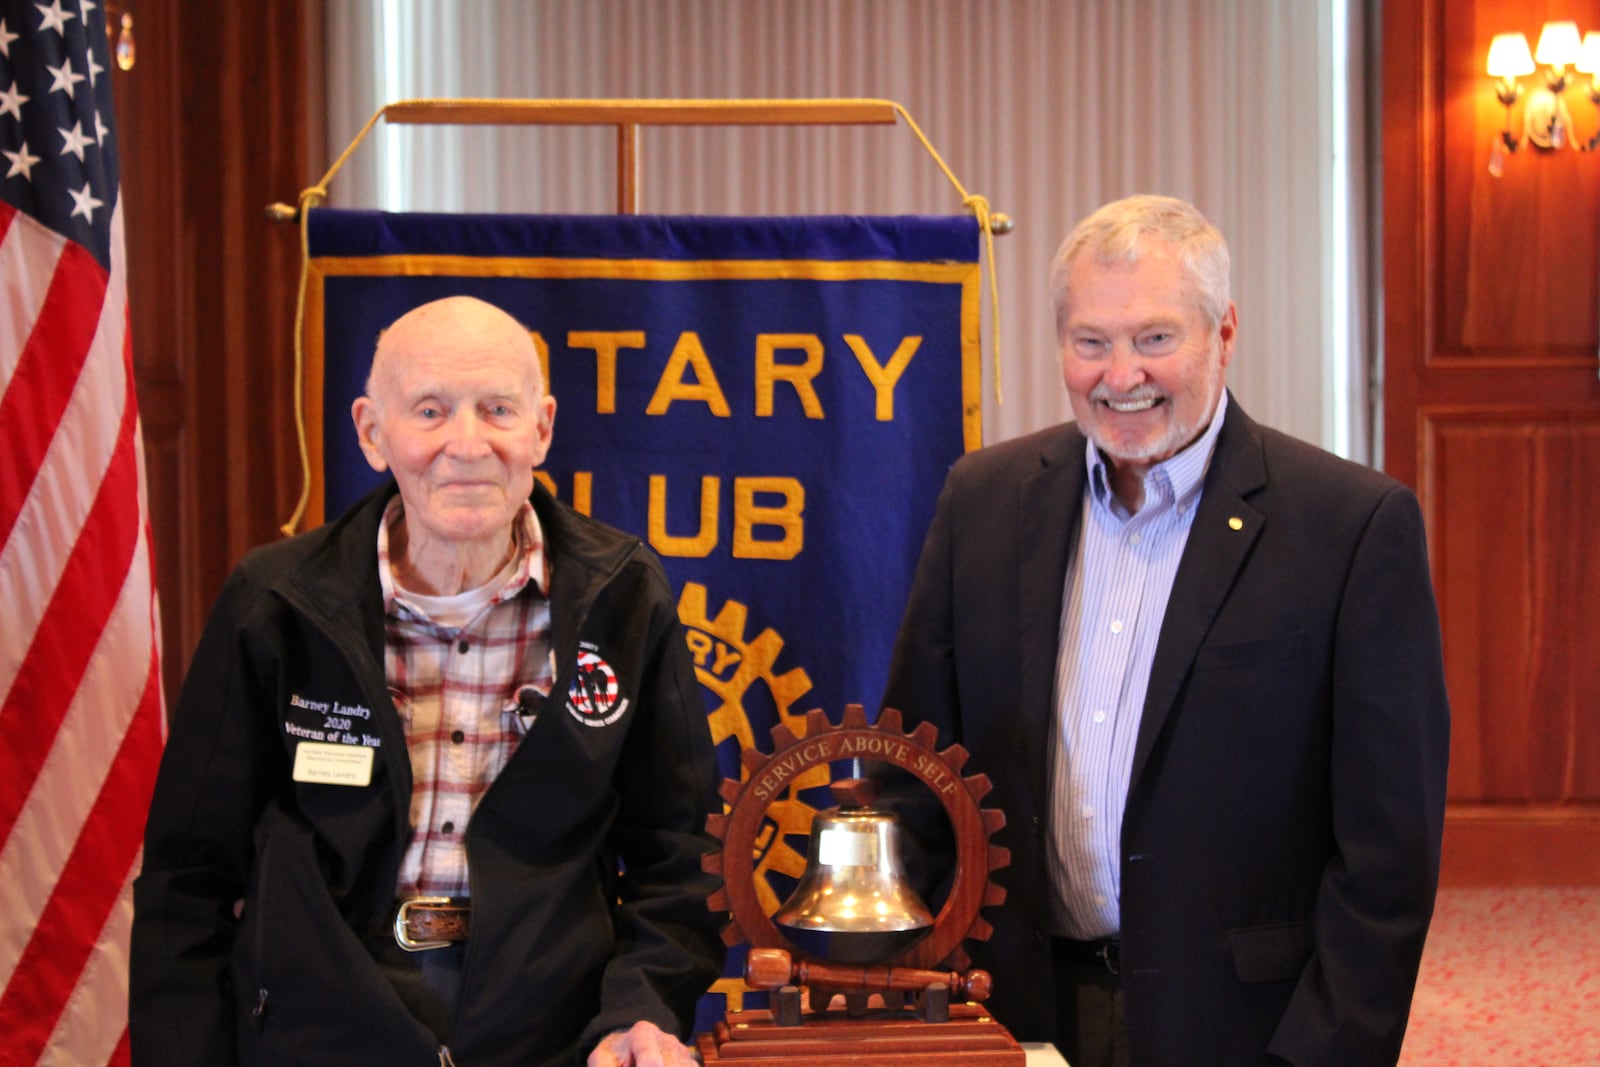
x=1280, y=846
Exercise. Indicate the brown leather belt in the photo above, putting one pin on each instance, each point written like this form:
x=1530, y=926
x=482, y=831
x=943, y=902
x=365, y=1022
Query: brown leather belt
x=431, y=922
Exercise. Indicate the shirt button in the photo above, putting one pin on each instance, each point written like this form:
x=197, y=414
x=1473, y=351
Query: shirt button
x=1088, y=812
x=456, y=736
x=1100, y=900
x=1134, y=539
x=448, y=827
x=1099, y=716
x=463, y=646
x=1116, y=626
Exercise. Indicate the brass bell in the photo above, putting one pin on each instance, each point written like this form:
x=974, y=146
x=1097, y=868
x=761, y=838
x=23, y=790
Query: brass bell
x=853, y=904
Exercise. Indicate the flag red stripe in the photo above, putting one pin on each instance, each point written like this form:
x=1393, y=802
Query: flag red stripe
x=46, y=375
x=72, y=623
x=89, y=885
x=7, y=213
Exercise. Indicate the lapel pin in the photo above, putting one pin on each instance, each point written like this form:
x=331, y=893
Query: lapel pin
x=1236, y=523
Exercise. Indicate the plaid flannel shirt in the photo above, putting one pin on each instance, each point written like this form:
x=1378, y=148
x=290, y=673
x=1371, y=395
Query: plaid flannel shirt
x=457, y=690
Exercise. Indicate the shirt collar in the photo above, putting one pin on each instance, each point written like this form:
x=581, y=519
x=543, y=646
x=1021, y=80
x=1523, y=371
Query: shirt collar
x=533, y=567
x=1184, y=473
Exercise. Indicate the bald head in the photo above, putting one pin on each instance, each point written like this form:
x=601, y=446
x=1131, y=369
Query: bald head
x=456, y=410
x=465, y=324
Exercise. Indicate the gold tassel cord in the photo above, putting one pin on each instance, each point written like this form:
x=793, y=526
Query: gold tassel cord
x=320, y=190
x=608, y=112
x=308, y=199
x=979, y=206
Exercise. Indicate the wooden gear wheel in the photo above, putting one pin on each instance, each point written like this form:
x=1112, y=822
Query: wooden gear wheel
x=766, y=778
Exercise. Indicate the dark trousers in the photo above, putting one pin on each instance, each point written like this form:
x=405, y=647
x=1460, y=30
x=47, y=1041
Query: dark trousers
x=1090, y=1027
x=428, y=982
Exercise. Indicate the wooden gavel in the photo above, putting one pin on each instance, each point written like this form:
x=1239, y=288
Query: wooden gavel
x=773, y=968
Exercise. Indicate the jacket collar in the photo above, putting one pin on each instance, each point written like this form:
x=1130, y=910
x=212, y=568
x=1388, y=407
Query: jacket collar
x=1225, y=528
x=1050, y=507
x=337, y=579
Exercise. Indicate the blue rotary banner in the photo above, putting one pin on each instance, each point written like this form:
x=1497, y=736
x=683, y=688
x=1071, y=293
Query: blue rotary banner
x=771, y=403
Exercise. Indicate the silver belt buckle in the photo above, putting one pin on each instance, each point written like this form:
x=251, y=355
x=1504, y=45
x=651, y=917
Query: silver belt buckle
x=1110, y=954
x=402, y=938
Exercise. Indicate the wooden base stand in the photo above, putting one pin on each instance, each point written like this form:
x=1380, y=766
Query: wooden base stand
x=890, y=1038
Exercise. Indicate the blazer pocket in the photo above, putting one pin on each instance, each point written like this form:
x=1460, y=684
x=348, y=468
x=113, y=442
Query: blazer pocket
x=1276, y=953
x=1249, y=653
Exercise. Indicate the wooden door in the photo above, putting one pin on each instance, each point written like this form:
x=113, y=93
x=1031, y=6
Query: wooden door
x=1492, y=411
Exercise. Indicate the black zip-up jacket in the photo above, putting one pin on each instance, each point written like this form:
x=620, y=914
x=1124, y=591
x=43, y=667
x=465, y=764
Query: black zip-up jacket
x=259, y=892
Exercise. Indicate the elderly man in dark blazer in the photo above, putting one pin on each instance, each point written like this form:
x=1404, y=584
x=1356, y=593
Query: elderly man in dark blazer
x=1201, y=661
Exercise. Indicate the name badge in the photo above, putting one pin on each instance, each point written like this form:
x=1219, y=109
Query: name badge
x=317, y=761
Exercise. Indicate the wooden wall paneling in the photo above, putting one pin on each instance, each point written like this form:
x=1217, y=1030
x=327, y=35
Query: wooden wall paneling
x=1521, y=845
x=1520, y=274
x=157, y=275
x=1492, y=410
x=1518, y=588
x=220, y=116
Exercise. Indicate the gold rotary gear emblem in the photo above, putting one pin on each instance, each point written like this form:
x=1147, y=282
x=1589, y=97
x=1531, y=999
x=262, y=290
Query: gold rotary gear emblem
x=764, y=780
x=730, y=666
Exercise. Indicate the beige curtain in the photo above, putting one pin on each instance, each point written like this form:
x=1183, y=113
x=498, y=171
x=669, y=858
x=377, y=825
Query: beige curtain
x=1047, y=107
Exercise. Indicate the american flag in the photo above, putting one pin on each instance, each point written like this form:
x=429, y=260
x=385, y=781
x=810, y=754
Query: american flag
x=80, y=696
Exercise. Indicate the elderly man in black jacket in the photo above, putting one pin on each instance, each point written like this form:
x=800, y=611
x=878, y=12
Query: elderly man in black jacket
x=436, y=784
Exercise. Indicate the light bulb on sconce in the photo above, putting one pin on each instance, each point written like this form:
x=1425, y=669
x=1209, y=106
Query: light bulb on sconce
x=1589, y=63
x=1509, y=59
x=1546, y=120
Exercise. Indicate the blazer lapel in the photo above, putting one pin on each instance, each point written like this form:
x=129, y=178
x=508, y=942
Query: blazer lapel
x=1049, y=508
x=1225, y=527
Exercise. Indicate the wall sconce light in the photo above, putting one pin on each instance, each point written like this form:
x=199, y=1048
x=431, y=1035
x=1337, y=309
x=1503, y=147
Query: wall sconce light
x=119, y=34
x=1546, y=120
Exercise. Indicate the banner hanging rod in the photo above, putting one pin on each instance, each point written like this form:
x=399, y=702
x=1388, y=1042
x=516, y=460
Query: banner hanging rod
x=645, y=112
x=628, y=116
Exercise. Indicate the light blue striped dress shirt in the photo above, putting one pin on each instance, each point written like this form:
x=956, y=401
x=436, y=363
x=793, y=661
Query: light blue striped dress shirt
x=1112, y=606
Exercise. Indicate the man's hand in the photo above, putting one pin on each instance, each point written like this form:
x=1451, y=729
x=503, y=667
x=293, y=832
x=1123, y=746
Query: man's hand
x=643, y=1045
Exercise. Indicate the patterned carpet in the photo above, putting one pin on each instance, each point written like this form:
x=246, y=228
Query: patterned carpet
x=1509, y=977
